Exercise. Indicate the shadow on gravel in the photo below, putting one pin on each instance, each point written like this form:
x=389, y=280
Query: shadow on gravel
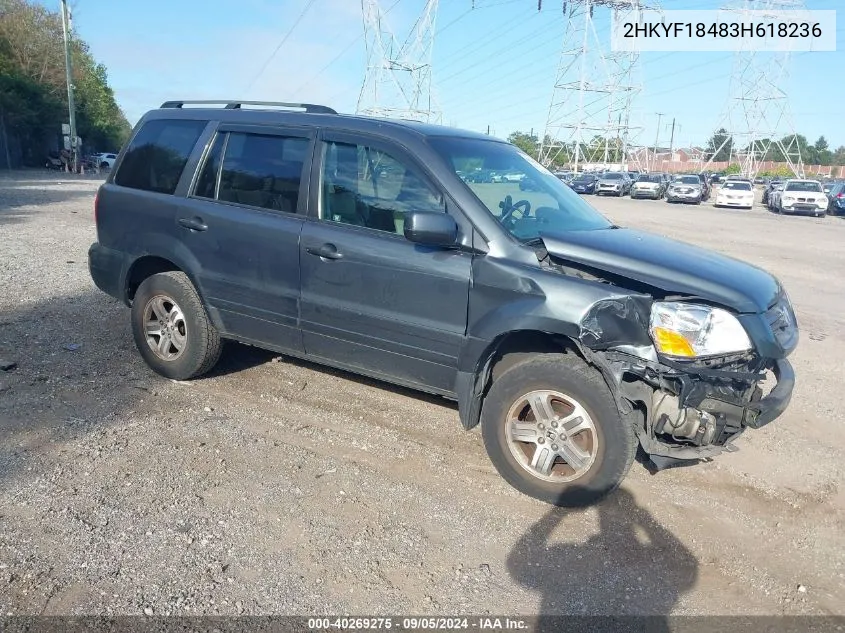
x=76, y=373
x=633, y=566
x=238, y=357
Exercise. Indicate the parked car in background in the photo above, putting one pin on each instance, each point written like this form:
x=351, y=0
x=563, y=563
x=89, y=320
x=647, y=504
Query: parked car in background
x=584, y=183
x=105, y=160
x=735, y=193
x=565, y=176
x=479, y=176
x=649, y=186
x=685, y=189
x=828, y=185
x=836, y=199
x=802, y=196
x=774, y=197
x=613, y=183
x=705, y=186
x=716, y=179
x=767, y=190
x=634, y=176
x=759, y=180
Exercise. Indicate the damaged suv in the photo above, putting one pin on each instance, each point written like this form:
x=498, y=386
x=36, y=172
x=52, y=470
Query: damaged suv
x=354, y=242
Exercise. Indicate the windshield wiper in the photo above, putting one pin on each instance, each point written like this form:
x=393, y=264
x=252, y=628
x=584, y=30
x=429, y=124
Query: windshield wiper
x=534, y=241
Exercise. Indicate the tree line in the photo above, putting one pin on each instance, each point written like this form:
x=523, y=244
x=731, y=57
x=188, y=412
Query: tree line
x=33, y=88
x=721, y=144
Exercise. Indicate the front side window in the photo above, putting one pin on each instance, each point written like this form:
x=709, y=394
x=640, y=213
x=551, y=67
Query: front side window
x=157, y=155
x=259, y=171
x=368, y=187
x=533, y=203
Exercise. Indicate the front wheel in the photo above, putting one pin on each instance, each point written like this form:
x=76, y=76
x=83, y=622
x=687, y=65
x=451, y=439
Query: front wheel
x=552, y=429
x=171, y=329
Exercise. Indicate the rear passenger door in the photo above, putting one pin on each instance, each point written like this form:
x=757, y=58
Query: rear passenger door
x=371, y=299
x=242, y=222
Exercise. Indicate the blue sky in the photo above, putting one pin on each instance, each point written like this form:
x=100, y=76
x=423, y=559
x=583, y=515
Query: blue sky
x=493, y=64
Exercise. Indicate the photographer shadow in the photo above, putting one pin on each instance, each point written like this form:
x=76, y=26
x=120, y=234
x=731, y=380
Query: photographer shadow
x=633, y=566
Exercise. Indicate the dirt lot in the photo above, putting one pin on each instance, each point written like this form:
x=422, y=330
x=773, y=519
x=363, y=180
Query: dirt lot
x=276, y=486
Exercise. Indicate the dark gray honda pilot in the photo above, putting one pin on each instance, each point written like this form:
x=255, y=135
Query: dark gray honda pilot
x=368, y=245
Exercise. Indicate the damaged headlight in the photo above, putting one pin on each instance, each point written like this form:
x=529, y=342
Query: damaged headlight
x=688, y=330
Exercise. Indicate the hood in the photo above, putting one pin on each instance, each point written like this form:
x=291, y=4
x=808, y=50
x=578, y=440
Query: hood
x=674, y=267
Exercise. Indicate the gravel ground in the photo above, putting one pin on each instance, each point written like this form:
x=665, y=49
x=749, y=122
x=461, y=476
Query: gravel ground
x=277, y=486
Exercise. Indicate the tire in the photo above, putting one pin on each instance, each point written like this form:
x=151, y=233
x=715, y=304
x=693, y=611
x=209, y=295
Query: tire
x=194, y=346
x=610, y=443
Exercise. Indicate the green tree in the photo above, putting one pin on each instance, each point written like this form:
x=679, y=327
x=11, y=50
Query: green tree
x=528, y=143
x=720, y=145
x=838, y=157
x=733, y=168
x=33, y=91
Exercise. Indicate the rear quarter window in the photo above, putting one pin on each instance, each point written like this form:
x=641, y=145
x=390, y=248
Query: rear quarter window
x=157, y=155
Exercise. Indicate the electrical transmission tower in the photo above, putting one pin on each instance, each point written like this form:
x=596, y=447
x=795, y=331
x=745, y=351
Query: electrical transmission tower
x=589, y=118
x=398, y=78
x=757, y=117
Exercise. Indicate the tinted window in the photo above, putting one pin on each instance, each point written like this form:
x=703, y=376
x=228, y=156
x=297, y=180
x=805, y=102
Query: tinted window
x=207, y=181
x=367, y=187
x=263, y=171
x=612, y=177
x=157, y=155
x=688, y=180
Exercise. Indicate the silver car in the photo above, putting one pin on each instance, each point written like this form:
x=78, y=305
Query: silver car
x=613, y=183
x=685, y=189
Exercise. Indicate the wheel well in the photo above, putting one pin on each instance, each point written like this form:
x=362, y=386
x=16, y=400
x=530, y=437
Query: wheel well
x=145, y=267
x=515, y=347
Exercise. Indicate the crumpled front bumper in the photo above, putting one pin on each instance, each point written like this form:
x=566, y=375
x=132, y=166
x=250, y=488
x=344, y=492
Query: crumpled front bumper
x=769, y=408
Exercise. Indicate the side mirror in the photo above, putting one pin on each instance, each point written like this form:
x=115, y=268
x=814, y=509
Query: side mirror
x=432, y=229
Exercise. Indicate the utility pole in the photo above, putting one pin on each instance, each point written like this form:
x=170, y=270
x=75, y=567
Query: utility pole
x=656, y=139
x=672, y=140
x=71, y=107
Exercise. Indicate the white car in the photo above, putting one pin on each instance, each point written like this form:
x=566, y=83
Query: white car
x=802, y=196
x=735, y=193
x=105, y=161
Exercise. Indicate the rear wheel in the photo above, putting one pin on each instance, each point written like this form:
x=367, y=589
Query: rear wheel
x=171, y=329
x=552, y=429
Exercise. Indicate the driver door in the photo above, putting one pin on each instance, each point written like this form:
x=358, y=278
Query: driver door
x=371, y=300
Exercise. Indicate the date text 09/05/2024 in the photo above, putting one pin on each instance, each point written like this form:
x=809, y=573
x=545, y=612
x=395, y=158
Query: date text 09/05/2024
x=722, y=29
x=417, y=624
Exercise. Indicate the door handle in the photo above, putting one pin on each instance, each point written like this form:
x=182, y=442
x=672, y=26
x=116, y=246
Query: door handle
x=195, y=223
x=326, y=251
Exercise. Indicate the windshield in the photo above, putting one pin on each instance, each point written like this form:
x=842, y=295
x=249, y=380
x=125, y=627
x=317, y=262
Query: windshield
x=803, y=186
x=688, y=180
x=650, y=178
x=537, y=202
x=738, y=186
x=584, y=179
x=612, y=176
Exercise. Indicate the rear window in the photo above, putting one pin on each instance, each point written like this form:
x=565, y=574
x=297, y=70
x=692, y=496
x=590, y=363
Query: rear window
x=157, y=155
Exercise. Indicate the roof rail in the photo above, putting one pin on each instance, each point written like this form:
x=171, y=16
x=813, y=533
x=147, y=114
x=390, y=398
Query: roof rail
x=236, y=105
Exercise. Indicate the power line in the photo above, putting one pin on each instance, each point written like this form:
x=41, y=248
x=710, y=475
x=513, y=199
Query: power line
x=281, y=43
x=337, y=57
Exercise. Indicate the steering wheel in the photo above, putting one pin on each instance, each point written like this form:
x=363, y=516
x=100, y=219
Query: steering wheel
x=508, y=206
